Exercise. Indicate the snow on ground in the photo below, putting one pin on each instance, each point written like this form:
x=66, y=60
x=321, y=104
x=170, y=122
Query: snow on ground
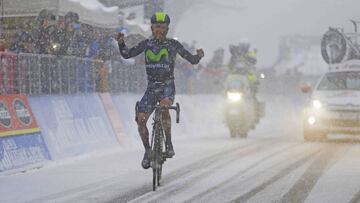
x=201, y=117
x=272, y=164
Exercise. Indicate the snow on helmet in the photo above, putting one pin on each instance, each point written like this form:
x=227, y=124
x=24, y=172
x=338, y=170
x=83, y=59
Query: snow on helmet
x=160, y=17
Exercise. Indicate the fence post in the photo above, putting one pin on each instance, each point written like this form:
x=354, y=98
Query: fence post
x=2, y=83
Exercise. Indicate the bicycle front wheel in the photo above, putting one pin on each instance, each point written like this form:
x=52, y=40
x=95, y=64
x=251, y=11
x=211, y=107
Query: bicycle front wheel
x=155, y=167
x=159, y=171
x=155, y=179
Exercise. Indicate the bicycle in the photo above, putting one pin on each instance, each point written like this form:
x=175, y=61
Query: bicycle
x=158, y=155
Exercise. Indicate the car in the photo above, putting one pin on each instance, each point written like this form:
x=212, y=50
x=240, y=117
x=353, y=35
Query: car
x=334, y=105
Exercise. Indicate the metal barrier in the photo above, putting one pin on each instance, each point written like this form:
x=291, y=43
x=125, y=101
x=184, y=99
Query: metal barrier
x=126, y=78
x=48, y=74
x=8, y=73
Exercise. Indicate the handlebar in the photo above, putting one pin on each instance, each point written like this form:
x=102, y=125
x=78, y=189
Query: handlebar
x=176, y=108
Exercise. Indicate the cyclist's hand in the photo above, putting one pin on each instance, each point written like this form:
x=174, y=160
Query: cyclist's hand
x=120, y=38
x=200, y=53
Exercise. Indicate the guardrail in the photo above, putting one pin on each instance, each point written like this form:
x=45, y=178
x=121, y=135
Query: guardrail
x=36, y=74
x=7, y=73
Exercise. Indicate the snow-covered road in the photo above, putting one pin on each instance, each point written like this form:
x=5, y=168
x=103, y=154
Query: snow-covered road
x=273, y=164
x=218, y=169
x=265, y=171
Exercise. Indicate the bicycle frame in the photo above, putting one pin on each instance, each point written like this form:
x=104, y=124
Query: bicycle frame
x=158, y=156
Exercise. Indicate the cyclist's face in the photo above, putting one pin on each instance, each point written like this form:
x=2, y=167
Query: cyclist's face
x=159, y=30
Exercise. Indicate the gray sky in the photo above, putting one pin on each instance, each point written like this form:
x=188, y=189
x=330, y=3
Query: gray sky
x=217, y=23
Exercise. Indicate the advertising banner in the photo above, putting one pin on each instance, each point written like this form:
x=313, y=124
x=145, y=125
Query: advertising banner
x=22, y=150
x=21, y=142
x=16, y=117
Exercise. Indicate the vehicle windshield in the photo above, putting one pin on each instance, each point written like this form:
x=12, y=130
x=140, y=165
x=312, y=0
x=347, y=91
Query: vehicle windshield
x=236, y=82
x=341, y=81
x=239, y=85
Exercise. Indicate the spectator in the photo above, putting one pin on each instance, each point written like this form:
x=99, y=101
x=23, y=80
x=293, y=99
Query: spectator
x=94, y=46
x=41, y=34
x=24, y=43
x=60, y=38
x=3, y=47
x=66, y=30
x=77, y=46
x=108, y=48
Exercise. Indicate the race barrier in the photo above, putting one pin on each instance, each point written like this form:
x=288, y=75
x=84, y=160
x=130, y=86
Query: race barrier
x=69, y=116
x=38, y=74
x=73, y=124
x=113, y=116
x=21, y=142
x=40, y=128
x=8, y=75
x=198, y=114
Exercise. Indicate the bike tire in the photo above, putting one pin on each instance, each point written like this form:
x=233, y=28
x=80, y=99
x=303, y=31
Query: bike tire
x=156, y=161
x=155, y=168
x=159, y=171
x=154, y=178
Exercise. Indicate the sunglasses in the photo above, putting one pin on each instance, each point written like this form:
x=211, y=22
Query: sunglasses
x=160, y=26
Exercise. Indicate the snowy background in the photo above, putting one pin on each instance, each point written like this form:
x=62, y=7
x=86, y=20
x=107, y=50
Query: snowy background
x=92, y=162
x=220, y=23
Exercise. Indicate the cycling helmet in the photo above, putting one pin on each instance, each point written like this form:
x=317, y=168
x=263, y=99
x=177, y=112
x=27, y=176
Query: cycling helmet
x=160, y=17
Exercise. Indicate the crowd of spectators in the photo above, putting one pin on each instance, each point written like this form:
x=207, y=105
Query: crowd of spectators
x=63, y=36
x=49, y=34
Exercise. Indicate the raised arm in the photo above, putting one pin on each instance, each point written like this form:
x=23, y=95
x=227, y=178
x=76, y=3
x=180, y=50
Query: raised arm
x=132, y=52
x=193, y=59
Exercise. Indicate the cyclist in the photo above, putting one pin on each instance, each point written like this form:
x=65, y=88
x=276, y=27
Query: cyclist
x=160, y=55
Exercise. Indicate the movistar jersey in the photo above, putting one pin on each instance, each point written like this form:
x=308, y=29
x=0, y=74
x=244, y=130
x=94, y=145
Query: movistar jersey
x=159, y=57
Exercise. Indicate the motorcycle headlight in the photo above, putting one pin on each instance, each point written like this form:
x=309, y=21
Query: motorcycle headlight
x=317, y=104
x=311, y=120
x=234, y=96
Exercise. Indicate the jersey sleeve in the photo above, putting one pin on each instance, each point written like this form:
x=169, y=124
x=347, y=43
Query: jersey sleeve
x=132, y=52
x=193, y=59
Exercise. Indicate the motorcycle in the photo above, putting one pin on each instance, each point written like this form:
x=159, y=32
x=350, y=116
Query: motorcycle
x=242, y=110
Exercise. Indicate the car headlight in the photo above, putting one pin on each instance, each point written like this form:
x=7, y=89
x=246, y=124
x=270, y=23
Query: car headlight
x=234, y=96
x=317, y=104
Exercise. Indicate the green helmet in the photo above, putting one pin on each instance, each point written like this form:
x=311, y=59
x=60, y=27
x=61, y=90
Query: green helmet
x=160, y=17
